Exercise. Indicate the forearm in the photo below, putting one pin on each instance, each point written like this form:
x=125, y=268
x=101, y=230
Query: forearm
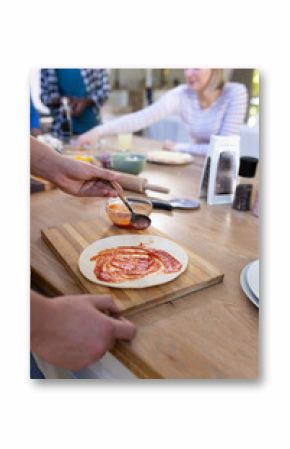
x=141, y=119
x=45, y=162
x=40, y=311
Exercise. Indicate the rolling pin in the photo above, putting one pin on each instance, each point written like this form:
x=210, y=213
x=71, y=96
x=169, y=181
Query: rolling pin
x=137, y=184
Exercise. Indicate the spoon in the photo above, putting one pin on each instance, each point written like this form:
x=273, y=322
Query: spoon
x=138, y=221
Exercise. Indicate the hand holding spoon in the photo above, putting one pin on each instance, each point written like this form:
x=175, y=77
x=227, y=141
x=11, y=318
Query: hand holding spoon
x=138, y=221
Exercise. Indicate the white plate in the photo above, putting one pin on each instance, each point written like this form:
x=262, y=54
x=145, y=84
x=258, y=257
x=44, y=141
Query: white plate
x=246, y=289
x=87, y=267
x=253, y=277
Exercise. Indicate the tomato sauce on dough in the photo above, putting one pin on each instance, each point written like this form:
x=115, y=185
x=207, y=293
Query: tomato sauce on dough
x=122, y=263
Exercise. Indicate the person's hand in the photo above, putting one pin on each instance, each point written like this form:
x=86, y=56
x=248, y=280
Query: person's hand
x=78, y=105
x=73, y=332
x=35, y=132
x=90, y=138
x=168, y=145
x=74, y=177
x=83, y=179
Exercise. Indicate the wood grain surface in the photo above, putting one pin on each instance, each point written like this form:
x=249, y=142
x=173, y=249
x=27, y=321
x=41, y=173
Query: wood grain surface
x=209, y=334
x=70, y=239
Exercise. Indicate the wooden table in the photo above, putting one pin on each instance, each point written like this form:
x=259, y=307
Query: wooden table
x=206, y=335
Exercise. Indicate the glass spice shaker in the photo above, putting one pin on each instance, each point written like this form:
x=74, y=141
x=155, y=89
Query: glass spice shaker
x=244, y=189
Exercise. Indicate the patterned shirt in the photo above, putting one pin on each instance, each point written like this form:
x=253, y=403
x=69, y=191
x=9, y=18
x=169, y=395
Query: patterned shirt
x=97, y=88
x=34, y=117
x=224, y=117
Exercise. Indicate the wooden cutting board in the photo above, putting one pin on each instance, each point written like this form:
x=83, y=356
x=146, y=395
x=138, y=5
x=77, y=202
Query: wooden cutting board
x=67, y=241
x=39, y=184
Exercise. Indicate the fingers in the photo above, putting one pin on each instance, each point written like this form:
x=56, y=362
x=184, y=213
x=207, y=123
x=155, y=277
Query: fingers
x=104, y=303
x=105, y=174
x=124, y=329
x=89, y=138
x=117, y=187
x=96, y=188
x=82, y=142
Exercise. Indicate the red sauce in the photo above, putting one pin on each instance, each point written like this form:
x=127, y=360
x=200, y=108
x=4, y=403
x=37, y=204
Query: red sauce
x=119, y=264
x=120, y=215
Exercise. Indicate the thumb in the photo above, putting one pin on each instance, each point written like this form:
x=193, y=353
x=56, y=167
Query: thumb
x=91, y=137
x=124, y=329
x=104, y=303
x=83, y=140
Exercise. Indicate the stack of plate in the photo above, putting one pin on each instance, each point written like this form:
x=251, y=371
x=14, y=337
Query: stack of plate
x=250, y=281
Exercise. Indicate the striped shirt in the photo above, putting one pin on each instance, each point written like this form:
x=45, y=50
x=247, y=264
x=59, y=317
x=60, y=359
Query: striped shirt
x=97, y=88
x=224, y=117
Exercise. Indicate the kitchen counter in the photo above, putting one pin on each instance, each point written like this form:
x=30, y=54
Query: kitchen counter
x=209, y=334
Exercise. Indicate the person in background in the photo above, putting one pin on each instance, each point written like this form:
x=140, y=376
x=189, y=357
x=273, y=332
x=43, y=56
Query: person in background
x=73, y=331
x=86, y=90
x=206, y=104
x=34, y=120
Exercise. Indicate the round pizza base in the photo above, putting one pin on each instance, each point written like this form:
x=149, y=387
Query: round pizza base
x=86, y=266
x=168, y=157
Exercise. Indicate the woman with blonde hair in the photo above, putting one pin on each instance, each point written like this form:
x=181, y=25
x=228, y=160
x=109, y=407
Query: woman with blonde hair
x=206, y=104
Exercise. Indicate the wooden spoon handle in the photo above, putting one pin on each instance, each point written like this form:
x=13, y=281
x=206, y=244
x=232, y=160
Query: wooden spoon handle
x=118, y=188
x=120, y=192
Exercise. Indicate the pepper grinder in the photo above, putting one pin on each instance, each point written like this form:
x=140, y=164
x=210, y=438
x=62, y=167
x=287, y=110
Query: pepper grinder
x=244, y=189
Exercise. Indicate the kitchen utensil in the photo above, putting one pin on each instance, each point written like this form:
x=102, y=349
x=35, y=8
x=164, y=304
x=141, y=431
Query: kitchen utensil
x=66, y=120
x=245, y=287
x=138, y=184
x=138, y=221
x=87, y=266
x=218, y=181
x=253, y=277
x=175, y=203
x=68, y=241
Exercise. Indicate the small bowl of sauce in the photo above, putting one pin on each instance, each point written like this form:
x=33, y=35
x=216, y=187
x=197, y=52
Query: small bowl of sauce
x=121, y=216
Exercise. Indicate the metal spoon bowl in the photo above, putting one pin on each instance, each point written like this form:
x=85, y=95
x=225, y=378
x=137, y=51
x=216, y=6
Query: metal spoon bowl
x=138, y=221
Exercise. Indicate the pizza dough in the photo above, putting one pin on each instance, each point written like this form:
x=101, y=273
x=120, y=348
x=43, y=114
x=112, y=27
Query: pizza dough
x=169, y=157
x=146, y=261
